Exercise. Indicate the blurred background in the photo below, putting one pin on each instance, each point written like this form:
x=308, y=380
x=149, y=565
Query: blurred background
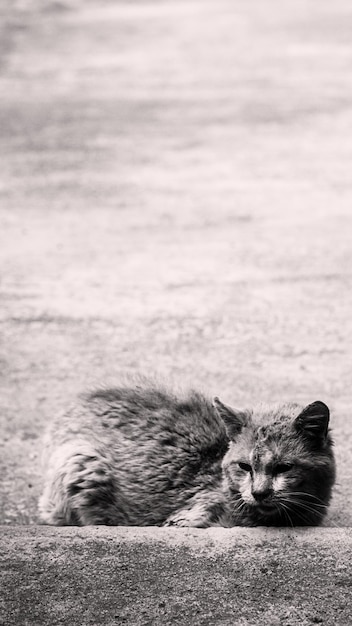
x=175, y=199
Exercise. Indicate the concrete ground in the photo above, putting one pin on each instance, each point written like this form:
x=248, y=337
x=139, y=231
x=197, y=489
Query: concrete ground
x=175, y=197
x=139, y=576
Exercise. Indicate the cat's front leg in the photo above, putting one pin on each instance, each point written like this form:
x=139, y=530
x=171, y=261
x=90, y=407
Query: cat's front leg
x=201, y=512
x=189, y=518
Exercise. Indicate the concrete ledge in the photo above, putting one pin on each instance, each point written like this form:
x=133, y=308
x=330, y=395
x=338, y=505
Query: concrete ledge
x=157, y=576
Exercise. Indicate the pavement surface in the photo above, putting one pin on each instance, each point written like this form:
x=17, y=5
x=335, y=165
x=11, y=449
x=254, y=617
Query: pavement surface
x=175, y=198
x=147, y=576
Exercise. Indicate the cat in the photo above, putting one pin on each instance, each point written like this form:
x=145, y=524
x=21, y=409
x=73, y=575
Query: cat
x=140, y=455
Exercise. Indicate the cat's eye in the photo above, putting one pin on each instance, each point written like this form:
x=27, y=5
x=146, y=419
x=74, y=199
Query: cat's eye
x=281, y=468
x=245, y=467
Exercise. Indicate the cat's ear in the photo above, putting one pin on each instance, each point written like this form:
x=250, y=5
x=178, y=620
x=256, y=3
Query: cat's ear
x=313, y=421
x=233, y=419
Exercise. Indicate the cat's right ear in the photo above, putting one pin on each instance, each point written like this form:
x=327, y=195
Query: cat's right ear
x=233, y=419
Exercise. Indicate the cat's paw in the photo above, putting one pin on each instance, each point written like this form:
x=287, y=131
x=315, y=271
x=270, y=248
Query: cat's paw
x=186, y=519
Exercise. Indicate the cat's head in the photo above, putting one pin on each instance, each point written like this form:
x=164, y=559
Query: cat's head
x=279, y=468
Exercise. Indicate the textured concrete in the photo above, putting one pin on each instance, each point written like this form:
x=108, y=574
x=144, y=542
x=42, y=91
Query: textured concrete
x=175, y=196
x=155, y=576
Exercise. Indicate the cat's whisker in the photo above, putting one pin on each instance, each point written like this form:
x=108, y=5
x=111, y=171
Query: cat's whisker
x=294, y=507
x=289, y=510
x=298, y=502
x=313, y=505
x=308, y=509
x=301, y=516
x=282, y=507
x=306, y=495
x=334, y=524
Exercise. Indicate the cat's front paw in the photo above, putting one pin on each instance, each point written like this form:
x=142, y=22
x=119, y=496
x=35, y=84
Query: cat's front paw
x=188, y=518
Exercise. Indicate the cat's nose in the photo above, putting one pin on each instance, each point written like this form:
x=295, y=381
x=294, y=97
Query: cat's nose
x=262, y=494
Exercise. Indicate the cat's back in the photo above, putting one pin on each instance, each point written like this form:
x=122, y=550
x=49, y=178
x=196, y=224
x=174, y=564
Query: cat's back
x=142, y=413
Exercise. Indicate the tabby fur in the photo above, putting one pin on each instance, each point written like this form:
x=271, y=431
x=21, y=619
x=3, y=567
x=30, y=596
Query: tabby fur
x=141, y=455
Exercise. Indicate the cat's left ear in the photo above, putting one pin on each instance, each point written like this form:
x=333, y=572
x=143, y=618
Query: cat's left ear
x=234, y=419
x=313, y=421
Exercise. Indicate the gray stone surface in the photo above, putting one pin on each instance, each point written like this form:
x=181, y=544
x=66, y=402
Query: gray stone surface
x=175, y=199
x=155, y=576
x=175, y=195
